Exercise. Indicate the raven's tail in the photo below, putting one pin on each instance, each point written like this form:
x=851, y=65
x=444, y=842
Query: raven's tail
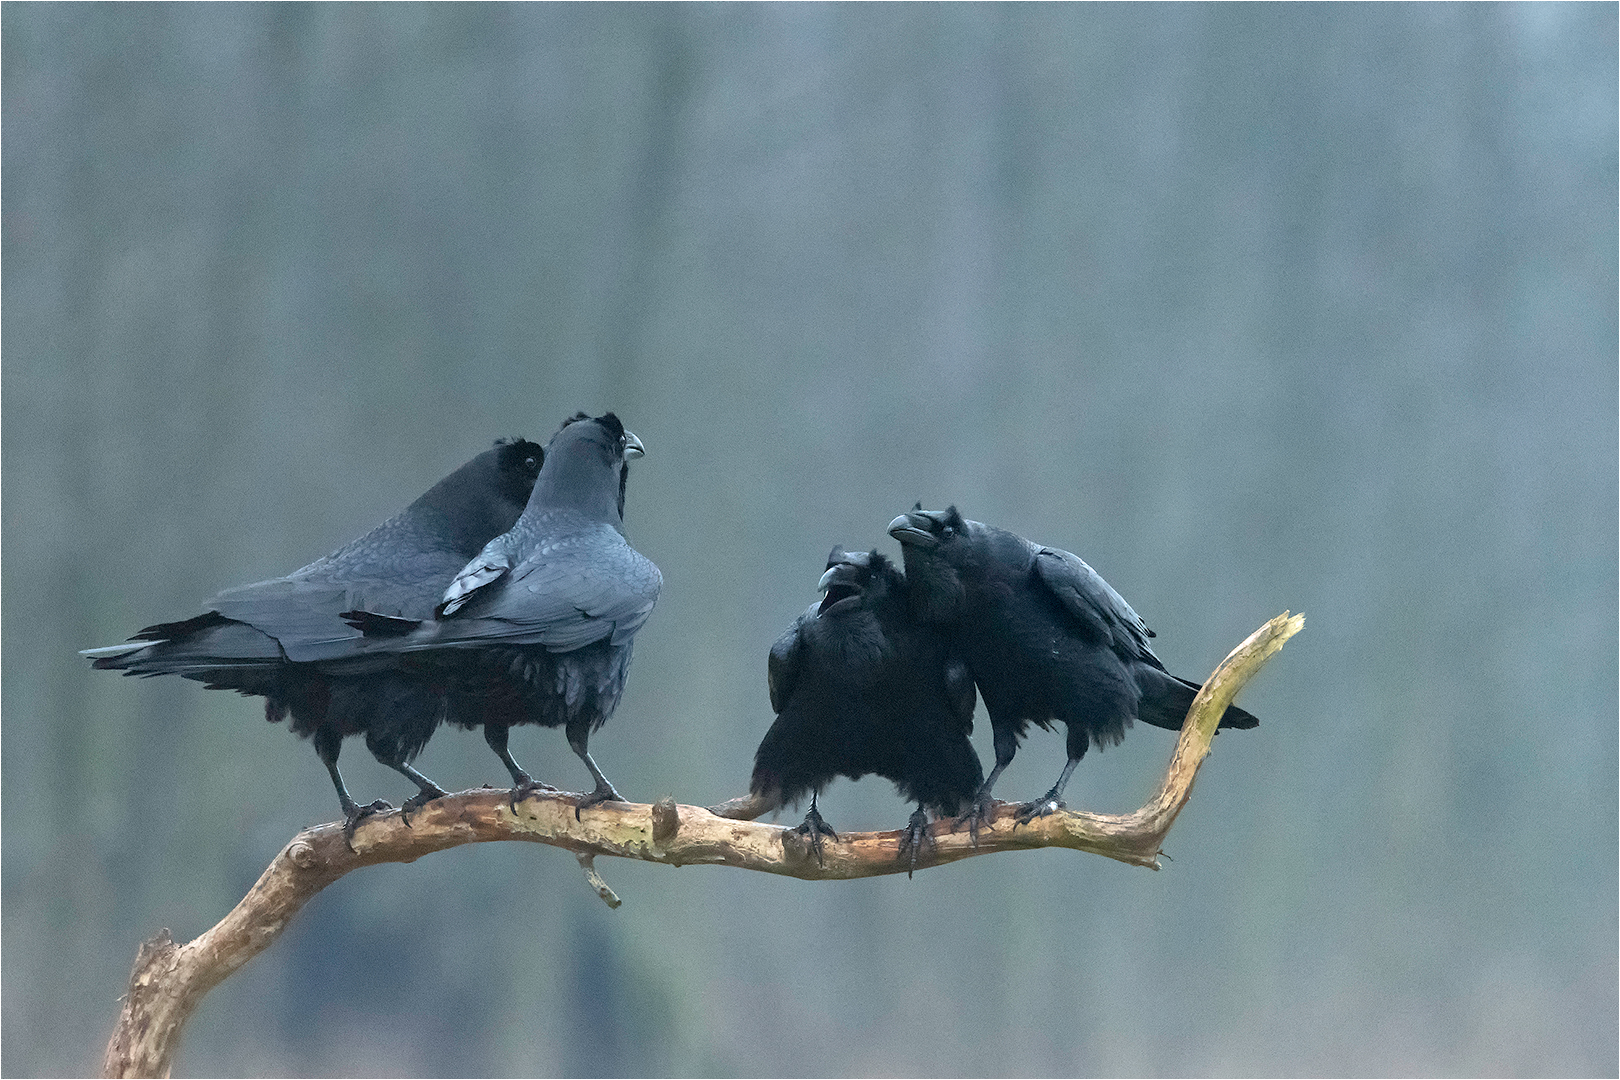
x=745, y=807
x=1166, y=699
x=210, y=648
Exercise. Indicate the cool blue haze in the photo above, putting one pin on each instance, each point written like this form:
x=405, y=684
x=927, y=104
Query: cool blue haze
x=1253, y=308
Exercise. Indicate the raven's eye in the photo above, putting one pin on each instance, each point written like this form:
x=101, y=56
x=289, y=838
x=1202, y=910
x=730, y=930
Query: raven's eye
x=948, y=530
x=529, y=463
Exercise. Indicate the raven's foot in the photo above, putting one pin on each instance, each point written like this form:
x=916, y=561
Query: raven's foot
x=982, y=811
x=354, y=814
x=913, y=838
x=420, y=799
x=526, y=786
x=604, y=793
x=813, y=828
x=1046, y=804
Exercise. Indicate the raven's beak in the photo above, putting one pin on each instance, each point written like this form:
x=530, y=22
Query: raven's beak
x=913, y=530
x=632, y=446
x=836, y=584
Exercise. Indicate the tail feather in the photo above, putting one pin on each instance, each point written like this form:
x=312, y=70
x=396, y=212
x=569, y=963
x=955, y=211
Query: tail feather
x=197, y=649
x=105, y=656
x=1166, y=699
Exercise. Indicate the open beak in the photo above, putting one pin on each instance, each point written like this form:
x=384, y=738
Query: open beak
x=837, y=585
x=913, y=530
x=632, y=446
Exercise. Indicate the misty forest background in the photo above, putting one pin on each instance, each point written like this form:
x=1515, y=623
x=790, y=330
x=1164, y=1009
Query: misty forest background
x=1254, y=308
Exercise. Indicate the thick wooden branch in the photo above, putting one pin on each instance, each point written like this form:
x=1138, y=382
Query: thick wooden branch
x=169, y=980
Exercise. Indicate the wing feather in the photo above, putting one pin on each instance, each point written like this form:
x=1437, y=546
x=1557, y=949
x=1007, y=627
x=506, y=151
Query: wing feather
x=1100, y=610
x=573, y=590
x=960, y=693
x=782, y=670
x=488, y=568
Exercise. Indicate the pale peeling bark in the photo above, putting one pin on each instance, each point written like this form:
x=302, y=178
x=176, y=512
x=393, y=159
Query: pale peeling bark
x=169, y=980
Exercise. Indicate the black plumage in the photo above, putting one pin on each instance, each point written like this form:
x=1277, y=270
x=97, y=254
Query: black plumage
x=284, y=639
x=1046, y=638
x=858, y=687
x=538, y=627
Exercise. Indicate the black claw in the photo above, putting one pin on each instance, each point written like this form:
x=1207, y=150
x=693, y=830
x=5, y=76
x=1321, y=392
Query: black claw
x=525, y=787
x=420, y=799
x=1041, y=807
x=981, y=812
x=354, y=814
x=914, y=837
x=814, y=828
x=604, y=793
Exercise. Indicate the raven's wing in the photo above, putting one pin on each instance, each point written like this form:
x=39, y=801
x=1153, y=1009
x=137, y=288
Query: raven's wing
x=295, y=618
x=303, y=611
x=959, y=693
x=301, y=616
x=782, y=671
x=488, y=566
x=1102, y=613
x=573, y=590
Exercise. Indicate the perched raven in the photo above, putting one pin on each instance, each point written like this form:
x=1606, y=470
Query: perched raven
x=859, y=687
x=537, y=628
x=1045, y=637
x=284, y=639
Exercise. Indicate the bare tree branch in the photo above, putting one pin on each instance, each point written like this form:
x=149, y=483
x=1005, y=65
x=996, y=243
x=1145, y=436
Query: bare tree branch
x=170, y=980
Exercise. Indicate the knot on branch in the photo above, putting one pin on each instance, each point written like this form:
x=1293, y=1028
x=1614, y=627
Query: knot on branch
x=666, y=821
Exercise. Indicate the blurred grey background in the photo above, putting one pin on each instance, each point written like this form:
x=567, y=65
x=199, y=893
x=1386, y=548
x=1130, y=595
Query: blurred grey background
x=1252, y=307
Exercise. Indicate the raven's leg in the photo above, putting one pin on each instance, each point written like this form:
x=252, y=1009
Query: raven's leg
x=979, y=812
x=523, y=785
x=815, y=828
x=579, y=737
x=327, y=744
x=426, y=792
x=1079, y=741
x=914, y=837
x=391, y=754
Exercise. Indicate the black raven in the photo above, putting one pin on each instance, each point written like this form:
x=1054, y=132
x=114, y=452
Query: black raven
x=538, y=627
x=284, y=639
x=859, y=687
x=1045, y=637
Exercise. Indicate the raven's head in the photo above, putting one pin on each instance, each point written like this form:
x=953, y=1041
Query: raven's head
x=928, y=530
x=632, y=449
x=937, y=546
x=517, y=464
x=855, y=579
x=587, y=464
x=629, y=445
x=480, y=500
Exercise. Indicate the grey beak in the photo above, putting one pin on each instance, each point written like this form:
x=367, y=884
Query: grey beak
x=916, y=530
x=912, y=530
x=826, y=579
x=632, y=446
